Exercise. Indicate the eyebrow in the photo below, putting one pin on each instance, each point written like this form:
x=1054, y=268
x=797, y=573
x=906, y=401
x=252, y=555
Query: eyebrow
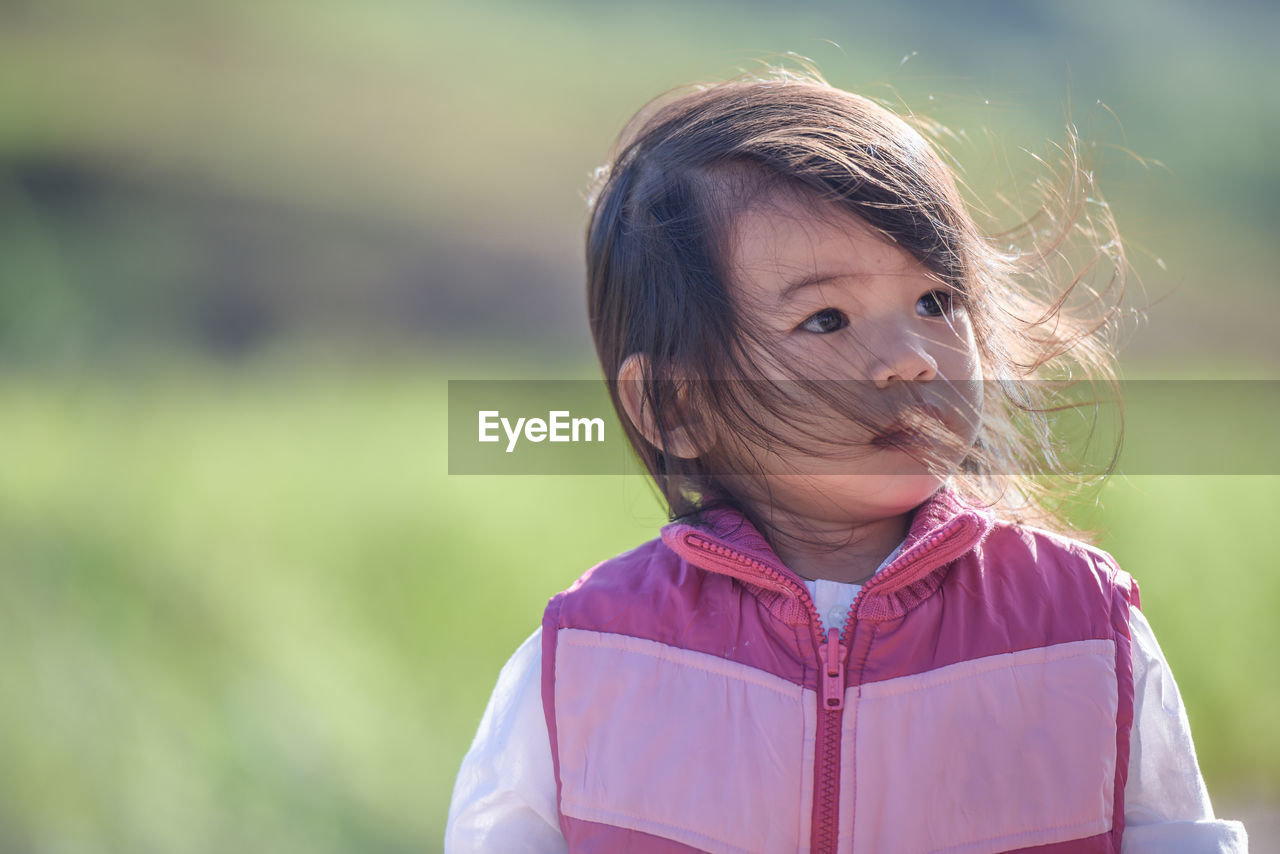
x=815, y=279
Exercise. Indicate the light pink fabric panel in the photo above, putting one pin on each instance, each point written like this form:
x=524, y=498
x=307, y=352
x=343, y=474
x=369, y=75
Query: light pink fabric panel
x=1006, y=751
x=676, y=743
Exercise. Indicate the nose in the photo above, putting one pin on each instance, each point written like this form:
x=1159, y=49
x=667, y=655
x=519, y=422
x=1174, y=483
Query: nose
x=904, y=359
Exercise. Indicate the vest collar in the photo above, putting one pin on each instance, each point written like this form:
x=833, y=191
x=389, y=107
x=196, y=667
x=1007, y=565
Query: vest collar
x=942, y=529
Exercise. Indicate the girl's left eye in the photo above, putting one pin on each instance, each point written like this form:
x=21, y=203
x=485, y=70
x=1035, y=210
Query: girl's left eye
x=937, y=303
x=827, y=320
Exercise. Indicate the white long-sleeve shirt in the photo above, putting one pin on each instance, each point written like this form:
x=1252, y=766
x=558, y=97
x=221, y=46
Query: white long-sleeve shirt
x=504, y=798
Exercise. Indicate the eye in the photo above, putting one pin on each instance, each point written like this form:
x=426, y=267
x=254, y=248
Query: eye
x=939, y=303
x=827, y=320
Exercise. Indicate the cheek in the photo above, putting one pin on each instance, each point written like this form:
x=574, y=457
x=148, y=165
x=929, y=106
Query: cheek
x=961, y=365
x=960, y=360
x=836, y=356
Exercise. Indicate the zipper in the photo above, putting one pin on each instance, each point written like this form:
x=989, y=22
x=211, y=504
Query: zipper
x=825, y=824
x=832, y=668
x=833, y=654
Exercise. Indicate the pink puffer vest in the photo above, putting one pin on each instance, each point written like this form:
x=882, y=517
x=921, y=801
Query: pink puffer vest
x=979, y=698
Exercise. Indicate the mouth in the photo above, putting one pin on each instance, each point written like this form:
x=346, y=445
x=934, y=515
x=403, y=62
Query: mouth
x=902, y=432
x=898, y=438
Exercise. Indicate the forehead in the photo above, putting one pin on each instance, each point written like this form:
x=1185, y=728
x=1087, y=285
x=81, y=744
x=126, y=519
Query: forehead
x=786, y=240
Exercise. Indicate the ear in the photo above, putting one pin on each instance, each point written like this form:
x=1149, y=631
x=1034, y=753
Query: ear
x=633, y=378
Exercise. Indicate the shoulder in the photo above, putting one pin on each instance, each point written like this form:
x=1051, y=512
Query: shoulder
x=648, y=578
x=1040, y=544
x=1055, y=557
x=630, y=570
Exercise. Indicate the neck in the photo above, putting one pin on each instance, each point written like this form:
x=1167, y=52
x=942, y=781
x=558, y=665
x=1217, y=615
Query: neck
x=835, y=552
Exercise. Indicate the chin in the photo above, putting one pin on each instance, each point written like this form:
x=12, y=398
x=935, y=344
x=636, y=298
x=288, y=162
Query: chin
x=867, y=497
x=899, y=493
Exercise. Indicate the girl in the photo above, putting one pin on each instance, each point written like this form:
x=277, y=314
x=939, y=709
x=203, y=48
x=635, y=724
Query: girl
x=861, y=631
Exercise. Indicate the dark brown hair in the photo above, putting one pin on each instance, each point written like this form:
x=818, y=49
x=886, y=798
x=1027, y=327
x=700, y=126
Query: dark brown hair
x=658, y=243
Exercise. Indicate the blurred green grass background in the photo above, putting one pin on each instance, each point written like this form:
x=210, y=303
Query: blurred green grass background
x=244, y=246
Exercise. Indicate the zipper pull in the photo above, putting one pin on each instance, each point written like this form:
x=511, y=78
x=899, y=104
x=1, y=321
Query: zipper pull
x=832, y=653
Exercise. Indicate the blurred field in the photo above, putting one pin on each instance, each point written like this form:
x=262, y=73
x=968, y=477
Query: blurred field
x=250, y=612
x=244, y=246
x=222, y=175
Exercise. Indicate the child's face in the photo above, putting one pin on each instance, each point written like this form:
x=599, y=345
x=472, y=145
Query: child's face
x=835, y=299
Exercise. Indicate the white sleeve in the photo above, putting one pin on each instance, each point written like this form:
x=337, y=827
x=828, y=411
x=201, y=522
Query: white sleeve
x=504, y=799
x=1167, y=809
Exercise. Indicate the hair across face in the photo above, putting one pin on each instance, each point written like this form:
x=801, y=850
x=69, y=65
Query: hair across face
x=868, y=358
x=796, y=268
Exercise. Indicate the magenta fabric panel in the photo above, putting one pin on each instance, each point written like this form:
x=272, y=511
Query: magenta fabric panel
x=1125, y=594
x=678, y=742
x=550, y=622
x=986, y=755
x=650, y=592
x=1018, y=589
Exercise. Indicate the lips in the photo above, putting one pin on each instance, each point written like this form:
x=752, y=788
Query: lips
x=901, y=431
x=898, y=438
